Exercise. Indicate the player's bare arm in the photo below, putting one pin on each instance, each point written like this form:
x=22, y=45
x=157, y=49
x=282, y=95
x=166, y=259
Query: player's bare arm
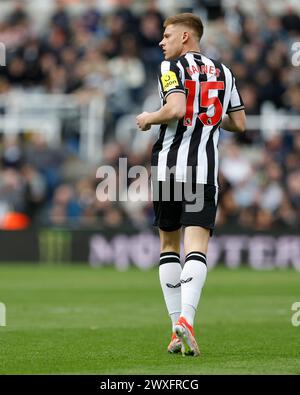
x=173, y=110
x=235, y=121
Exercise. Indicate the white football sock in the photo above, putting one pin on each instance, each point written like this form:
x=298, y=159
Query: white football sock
x=169, y=276
x=192, y=280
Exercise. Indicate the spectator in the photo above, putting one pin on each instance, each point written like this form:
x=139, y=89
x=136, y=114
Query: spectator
x=150, y=36
x=18, y=15
x=128, y=69
x=291, y=20
x=60, y=17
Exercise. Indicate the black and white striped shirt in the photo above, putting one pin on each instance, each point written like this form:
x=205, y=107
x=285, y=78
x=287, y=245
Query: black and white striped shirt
x=192, y=142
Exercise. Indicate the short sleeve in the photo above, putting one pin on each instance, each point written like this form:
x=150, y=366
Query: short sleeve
x=169, y=79
x=236, y=101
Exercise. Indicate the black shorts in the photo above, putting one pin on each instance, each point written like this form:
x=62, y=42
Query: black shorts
x=195, y=205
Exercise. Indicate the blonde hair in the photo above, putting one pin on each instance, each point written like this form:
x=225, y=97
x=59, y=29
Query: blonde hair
x=187, y=19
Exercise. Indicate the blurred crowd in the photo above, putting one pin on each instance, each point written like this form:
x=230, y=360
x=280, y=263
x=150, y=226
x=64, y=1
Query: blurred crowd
x=117, y=55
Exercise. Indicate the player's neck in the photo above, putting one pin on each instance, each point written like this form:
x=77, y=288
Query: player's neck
x=190, y=49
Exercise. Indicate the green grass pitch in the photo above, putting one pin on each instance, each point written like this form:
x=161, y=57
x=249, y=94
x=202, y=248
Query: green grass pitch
x=80, y=320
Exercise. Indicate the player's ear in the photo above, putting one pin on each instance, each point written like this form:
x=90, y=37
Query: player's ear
x=185, y=37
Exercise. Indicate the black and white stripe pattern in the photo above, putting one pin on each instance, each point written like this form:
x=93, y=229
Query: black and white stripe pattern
x=169, y=257
x=196, y=145
x=196, y=256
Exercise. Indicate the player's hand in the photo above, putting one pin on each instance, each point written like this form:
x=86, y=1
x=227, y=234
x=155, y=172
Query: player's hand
x=142, y=121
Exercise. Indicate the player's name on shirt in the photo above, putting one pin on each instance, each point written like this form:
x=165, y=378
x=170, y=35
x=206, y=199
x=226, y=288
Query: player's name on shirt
x=203, y=69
